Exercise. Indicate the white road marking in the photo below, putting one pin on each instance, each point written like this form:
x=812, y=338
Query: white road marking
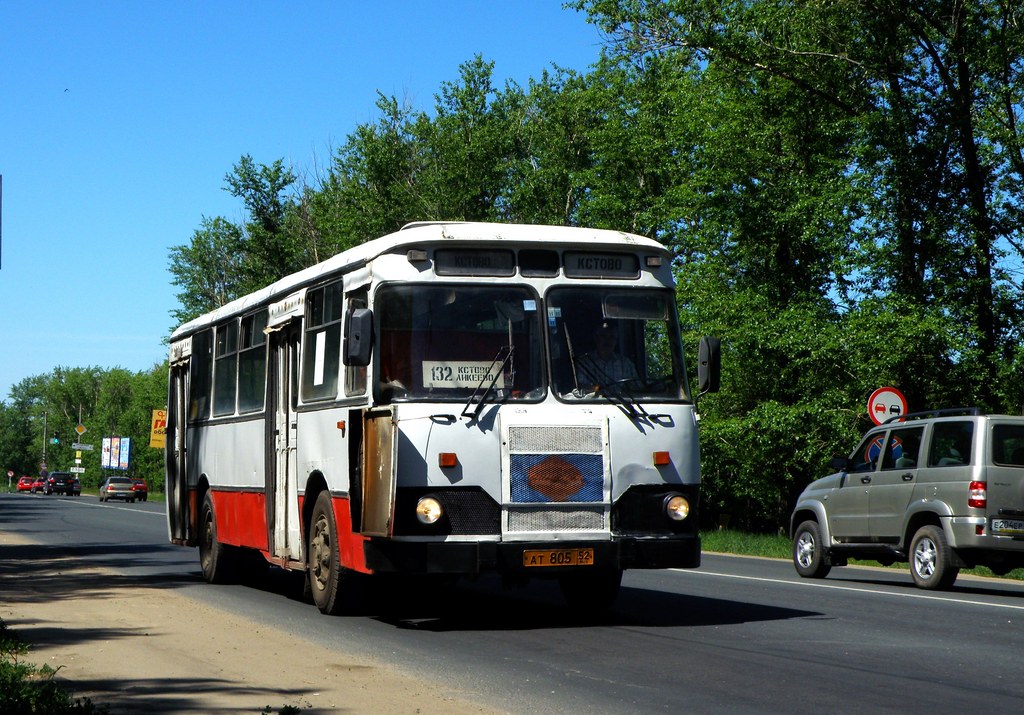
x=857, y=589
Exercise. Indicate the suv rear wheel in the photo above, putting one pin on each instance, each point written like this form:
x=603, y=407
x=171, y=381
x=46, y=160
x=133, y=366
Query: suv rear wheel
x=930, y=559
x=808, y=554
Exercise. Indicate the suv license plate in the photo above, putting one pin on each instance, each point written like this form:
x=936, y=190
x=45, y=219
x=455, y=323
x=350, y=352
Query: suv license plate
x=1008, y=526
x=559, y=557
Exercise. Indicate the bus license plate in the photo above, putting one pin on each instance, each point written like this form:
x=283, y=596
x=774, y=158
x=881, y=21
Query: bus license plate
x=559, y=557
x=1007, y=526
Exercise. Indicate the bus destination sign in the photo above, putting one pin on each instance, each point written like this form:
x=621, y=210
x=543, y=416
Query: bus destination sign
x=579, y=264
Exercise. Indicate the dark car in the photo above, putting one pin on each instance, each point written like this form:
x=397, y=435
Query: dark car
x=117, y=488
x=141, y=489
x=25, y=484
x=74, y=486
x=61, y=483
x=38, y=485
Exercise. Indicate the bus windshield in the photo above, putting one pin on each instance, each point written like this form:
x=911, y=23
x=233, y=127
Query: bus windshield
x=446, y=342
x=614, y=343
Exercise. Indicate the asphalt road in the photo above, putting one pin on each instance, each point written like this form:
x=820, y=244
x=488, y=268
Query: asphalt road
x=738, y=635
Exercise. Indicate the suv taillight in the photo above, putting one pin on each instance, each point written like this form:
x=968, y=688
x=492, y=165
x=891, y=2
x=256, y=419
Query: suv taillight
x=977, y=495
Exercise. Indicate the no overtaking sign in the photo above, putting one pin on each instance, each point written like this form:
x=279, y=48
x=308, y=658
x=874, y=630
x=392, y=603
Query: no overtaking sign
x=886, y=402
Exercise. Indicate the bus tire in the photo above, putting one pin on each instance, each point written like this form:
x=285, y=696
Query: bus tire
x=324, y=568
x=591, y=593
x=214, y=557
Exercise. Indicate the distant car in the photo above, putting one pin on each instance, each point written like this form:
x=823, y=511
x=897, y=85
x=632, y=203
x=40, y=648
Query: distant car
x=38, y=485
x=141, y=489
x=74, y=487
x=117, y=488
x=25, y=484
x=61, y=483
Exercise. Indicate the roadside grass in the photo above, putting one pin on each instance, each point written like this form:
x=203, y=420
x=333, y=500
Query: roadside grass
x=26, y=688
x=771, y=546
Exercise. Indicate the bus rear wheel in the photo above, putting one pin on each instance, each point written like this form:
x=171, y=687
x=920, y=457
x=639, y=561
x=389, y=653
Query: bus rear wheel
x=325, y=573
x=215, y=558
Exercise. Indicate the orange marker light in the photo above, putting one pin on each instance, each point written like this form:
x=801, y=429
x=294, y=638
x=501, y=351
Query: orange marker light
x=447, y=460
x=661, y=459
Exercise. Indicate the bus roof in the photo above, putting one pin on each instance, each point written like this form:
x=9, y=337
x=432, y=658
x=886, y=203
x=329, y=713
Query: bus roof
x=418, y=234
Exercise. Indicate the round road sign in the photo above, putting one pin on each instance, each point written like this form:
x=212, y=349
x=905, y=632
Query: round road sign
x=886, y=402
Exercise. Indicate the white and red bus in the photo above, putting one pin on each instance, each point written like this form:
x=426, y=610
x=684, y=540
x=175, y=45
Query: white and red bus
x=453, y=398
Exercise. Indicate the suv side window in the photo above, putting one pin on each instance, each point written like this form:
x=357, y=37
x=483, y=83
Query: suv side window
x=951, y=444
x=865, y=457
x=904, y=448
x=1008, y=445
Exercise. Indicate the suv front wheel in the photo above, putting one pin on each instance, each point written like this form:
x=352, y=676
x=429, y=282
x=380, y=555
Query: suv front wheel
x=930, y=559
x=808, y=553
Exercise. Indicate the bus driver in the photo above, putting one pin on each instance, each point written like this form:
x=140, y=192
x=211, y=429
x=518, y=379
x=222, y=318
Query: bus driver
x=605, y=365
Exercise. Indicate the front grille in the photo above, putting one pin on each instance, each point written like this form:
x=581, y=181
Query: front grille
x=554, y=438
x=542, y=478
x=575, y=520
x=556, y=479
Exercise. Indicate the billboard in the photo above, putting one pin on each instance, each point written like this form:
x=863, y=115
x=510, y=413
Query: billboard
x=115, y=452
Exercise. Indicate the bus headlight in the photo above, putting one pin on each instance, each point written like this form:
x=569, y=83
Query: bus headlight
x=677, y=508
x=428, y=510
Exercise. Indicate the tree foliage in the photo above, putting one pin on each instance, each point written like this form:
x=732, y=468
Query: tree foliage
x=107, y=402
x=839, y=183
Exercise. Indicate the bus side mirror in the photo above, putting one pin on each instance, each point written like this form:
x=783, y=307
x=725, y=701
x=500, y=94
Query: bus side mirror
x=358, y=337
x=709, y=364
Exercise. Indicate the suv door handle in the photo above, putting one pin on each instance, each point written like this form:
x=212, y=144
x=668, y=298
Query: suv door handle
x=908, y=477
x=865, y=480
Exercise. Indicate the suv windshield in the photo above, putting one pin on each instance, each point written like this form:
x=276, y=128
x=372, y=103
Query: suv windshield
x=447, y=341
x=620, y=344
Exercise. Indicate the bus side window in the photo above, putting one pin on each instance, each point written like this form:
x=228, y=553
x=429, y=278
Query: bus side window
x=321, y=345
x=225, y=369
x=201, y=375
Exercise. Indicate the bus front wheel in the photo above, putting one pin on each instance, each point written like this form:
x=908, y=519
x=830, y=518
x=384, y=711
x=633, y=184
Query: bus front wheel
x=324, y=568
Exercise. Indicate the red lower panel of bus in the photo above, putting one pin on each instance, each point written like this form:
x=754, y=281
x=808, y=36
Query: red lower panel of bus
x=241, y=518
x=242, y=521
x=350, y=545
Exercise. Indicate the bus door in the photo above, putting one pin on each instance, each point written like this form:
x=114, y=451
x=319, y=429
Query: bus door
x=378, y=472
x=175, y=480
x=281, y=478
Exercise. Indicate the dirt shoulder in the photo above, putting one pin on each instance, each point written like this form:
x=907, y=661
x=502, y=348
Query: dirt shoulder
x=126, y=648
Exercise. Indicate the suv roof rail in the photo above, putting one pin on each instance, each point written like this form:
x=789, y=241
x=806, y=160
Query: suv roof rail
x=946, y=412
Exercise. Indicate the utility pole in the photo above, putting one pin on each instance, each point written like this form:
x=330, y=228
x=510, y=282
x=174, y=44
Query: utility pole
x=42, y=466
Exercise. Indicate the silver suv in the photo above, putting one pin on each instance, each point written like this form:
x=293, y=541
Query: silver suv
x=943, y=490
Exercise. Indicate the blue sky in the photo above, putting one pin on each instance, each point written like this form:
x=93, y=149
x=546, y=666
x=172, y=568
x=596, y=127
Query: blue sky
x=119, y=120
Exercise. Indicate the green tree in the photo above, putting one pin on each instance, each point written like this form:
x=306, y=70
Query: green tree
x=16, y=441
x=107, y=402
x=209, y=270
x=853, y=185
x=269, y=250
x=547, y=168
x=410, y=166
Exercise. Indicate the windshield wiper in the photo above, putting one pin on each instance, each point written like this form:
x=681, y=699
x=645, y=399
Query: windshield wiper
x=615, y=391
x=483, y=391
